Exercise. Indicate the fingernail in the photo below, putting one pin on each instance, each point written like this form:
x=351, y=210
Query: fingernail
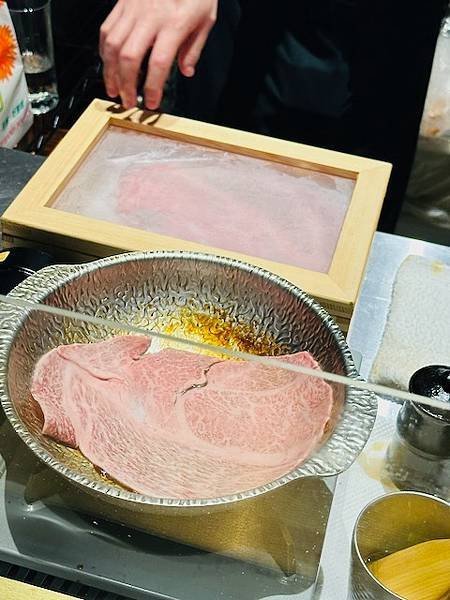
x=126, y=101
x=189, y=71
x=109, y=89
x=152, y=102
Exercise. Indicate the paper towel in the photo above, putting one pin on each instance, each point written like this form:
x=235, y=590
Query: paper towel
x=417, y=331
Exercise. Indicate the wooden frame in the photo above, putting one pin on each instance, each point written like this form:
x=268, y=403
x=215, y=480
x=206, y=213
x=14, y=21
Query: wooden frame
x=30, y=218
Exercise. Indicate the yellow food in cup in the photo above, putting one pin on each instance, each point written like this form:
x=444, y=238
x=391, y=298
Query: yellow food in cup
x=421, y=572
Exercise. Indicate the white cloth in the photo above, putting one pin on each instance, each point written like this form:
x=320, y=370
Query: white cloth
x=417, y=331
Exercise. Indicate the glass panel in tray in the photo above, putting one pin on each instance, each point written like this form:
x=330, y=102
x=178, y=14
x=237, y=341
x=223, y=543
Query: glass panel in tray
x=225, y=200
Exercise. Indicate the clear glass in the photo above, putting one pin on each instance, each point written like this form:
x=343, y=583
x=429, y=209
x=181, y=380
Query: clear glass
x=226, y=201
x=32, y=23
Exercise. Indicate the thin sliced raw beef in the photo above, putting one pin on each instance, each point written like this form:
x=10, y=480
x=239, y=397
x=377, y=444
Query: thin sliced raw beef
x=260, y=411
x=238, y=203
x=49, y=385
x=256, y=211
x=52, y=377
x=177, y=424
x=108, y=359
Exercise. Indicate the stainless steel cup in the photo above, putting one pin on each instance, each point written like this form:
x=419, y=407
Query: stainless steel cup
x=389, y=524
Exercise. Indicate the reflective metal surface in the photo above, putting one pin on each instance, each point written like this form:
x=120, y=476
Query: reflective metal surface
x=151, y=290
x=387, y=525
x=358, y=485
x=265, y=547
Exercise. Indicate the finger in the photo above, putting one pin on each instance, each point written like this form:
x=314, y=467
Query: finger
x=108, y=24
x=130, y=59
x=162, y=57
x=112, y=87
x=113, y=43
x=191, y=50
x=109, y=75
x=111, y=80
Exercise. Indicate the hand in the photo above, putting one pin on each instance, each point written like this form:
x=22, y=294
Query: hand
x=170, y=27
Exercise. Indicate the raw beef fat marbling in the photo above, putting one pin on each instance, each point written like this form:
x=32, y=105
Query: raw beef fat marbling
x=176, y=424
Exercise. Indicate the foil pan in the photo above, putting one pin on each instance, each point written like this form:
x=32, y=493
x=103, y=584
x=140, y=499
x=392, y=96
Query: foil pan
x=167, y=292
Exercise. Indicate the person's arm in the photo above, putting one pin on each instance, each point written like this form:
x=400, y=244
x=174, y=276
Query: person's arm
x=172, y=28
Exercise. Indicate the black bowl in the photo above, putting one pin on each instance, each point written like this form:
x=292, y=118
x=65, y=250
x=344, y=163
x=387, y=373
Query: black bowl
x=16, y=264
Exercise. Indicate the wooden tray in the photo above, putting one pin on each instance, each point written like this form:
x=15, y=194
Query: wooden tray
x=32, y=220
x=16, y=590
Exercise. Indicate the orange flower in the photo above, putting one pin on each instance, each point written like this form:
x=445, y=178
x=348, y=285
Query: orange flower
x=7, y=52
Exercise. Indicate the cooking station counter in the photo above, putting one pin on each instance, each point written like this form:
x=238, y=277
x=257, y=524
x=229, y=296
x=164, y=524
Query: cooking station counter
x=38, y=532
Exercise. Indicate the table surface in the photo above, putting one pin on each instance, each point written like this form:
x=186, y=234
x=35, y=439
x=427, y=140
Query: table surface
x=355, y=488
x=16, y=168
x=358, y=485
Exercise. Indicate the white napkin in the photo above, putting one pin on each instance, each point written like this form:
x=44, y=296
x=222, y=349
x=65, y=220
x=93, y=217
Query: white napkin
x=417, y=331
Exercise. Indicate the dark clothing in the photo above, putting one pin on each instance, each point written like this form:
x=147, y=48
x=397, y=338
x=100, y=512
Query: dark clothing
x=349, y=75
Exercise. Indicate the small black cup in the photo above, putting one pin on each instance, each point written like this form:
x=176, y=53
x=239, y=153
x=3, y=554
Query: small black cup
x=418, y=457
x=424, y=427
